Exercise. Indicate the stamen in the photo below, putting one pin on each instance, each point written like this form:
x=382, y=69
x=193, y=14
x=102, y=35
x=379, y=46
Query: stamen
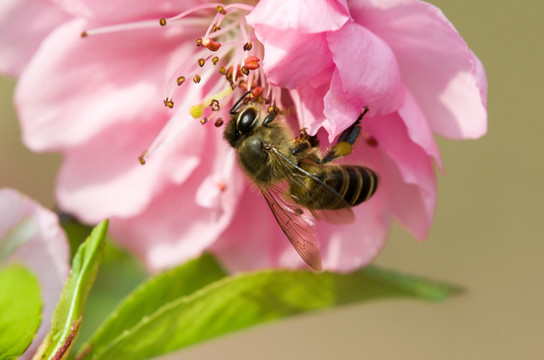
x=201, y=62
x=204, y=120
x=196, y=79
x=247, y=46
x=218, y=122
x=169, y=103
x=210, y=44
x=215, y=59
x=214, y=104
x=180, y=80
x=252, y=62
x=120, y=27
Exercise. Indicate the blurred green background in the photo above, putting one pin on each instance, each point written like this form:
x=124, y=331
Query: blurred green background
x=485, y=235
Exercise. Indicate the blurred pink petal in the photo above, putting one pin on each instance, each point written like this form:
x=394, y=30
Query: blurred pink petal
x=367, y=68
x=300, y=16
x=23, y=26
x=42, y=248
x=435, y=63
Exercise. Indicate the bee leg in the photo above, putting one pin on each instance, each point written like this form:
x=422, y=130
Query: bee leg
x=304, y=141
x=345, y=142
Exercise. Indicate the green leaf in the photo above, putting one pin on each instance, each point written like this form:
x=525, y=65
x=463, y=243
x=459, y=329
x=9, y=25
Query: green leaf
x=151, y=297
x=68, y=313
x=237, y=302
x=20, y=310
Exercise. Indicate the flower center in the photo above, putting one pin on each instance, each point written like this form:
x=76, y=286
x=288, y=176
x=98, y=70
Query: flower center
x=228, y=50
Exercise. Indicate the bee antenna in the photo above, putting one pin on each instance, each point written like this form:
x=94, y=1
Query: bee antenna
x=234, y=109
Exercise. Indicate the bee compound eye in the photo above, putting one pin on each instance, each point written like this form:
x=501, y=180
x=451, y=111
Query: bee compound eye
x=246, y=120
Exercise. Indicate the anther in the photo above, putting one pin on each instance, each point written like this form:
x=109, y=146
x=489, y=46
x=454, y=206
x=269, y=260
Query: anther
x=141, y=158
x=215, y=28
x=214, y=104
x=162, y=21
x=252, y=62
x=257, y=91
x=201, y=62
x=221, y=10
x=204, y=120
x=198, y=42
x=196, y=79
x=244, y=70
x=210, y=44
x=215, y=59
x=84, y=34
x=222, y=70
x=218, y=122
x=168, y=102
x=247, y=46
x=180, y=80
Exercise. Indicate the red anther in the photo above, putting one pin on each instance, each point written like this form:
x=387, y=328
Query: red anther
x=252, y=62
x=218, y=122
x=257, y=91
x=210, y=44
x=222, y=186
x=243, y=85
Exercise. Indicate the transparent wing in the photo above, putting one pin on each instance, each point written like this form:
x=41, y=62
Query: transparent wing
x=297, y=224
x=297, y=175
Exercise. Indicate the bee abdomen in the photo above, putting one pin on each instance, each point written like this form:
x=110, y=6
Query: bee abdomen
x=354, y=184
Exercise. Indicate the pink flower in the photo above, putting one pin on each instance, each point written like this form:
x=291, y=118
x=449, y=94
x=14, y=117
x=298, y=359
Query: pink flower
x=100, y=102
x=32, y=236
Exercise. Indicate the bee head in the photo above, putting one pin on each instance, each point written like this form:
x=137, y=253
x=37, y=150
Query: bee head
x=241, y=124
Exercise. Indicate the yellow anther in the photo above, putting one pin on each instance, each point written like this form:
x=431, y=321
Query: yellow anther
x=162, y=21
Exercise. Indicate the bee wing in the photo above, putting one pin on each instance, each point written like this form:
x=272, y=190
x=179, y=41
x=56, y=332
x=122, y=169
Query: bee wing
x=297, y=224
x=297, y=175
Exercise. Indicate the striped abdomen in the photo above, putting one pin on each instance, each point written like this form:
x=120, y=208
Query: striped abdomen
x=354, y=184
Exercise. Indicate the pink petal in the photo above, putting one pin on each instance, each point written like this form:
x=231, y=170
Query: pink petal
x=408, y=170
x=23, y=25
x=348, y=247
x=177, y=224
x=120, y=11
x=309, y=106
x=291, y=60
x=45, y=250
x=436, y=65
x=92, y=172
x=253, y=240
x=367, y=67
x=418, y=128
x=340, y=110
x=97, y=80
x=302, y=16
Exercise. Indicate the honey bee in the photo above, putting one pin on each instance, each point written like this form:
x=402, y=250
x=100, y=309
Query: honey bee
x=299, y=185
